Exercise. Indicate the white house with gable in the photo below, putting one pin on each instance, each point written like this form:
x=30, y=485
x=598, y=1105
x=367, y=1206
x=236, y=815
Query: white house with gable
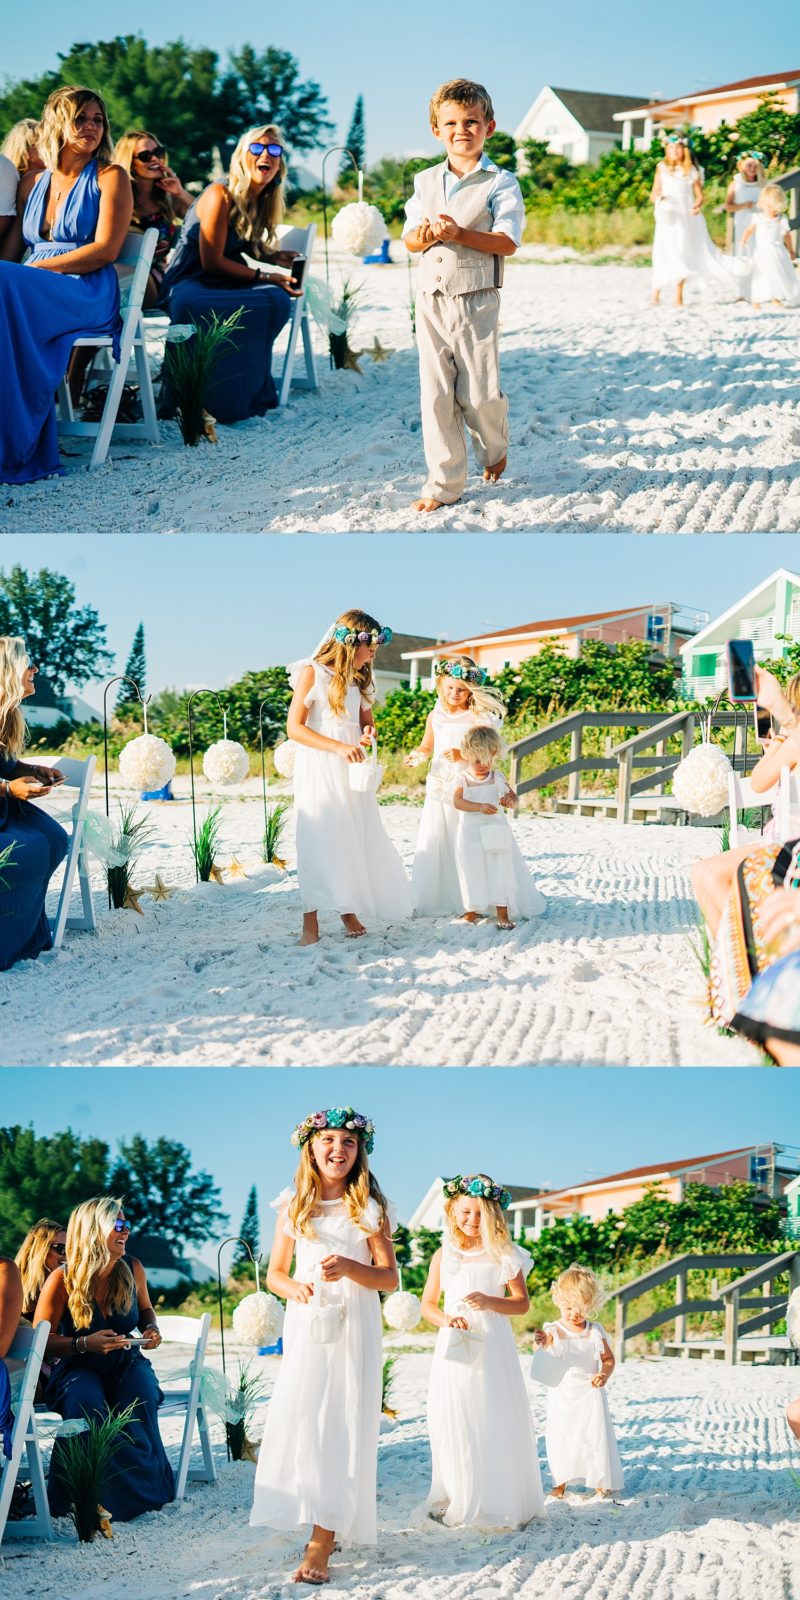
x=576, y=123
x=770, y=610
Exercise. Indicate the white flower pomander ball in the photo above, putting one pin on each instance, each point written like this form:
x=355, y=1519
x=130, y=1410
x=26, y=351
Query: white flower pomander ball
x=146, y=763
x=258, y=1319
x=283, y=758
x=359, y=228
x=226, y=762
x=700, y=784
x=402, y=1311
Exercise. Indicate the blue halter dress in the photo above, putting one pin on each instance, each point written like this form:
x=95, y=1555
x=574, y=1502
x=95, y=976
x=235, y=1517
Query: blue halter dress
x=41, y=314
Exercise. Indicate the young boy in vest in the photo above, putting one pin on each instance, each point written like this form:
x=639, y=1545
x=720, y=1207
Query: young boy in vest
x=464, y=216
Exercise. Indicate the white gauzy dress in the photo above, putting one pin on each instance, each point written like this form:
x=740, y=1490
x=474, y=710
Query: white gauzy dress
x=345, y=860
x=581, y=1446
x=743, y=192
x=485, y=1465
x=682, y=247
x=434, y=876
x=491, y=878
x=317, y=1460
x=774, y=274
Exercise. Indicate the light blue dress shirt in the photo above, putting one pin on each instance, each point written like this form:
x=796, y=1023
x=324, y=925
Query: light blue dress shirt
x=504, y=200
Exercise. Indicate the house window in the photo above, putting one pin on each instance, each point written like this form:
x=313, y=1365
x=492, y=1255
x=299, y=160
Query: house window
x=655, y=628
x=759, y=1169
x=704, y=666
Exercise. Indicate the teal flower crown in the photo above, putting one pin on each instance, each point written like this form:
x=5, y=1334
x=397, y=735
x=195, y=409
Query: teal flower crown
x=478, y=1188
x=457, y=669
x=371, y=636
x=335, y=1117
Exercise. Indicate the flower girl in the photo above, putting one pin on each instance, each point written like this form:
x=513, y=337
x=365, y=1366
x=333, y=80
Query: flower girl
x=485, y=1466
x=317, y=1462
x=581, y=1446
x=464, y=700
x=774, y=276
x=345, y=861
x=492, y=874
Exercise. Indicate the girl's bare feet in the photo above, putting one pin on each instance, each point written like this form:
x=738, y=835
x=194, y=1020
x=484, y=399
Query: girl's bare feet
x=503, y=919
x=558, y=1492
x=352, y=927
x=491, y=474
x=313, y=1568
x=310, y=933
x=427, y=504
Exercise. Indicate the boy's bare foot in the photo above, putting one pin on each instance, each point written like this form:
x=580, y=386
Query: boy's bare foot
x=558, y=1492
x=313, y=1568
x=352, y=927
x=491, y=474
x=427, y=503
x=469, y=916
x=310, y=933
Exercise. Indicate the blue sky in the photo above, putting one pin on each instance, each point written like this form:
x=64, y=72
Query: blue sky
x=396, y=56
x=214, y=606
x=524, y=1126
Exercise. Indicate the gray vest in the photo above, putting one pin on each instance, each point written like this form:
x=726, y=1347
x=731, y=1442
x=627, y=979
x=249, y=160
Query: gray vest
x=450, y=268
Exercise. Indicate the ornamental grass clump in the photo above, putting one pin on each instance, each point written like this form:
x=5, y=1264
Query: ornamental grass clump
x=242, y=1401
x=82, y=1465
x=6, y=861
x=128, y=838
x=274, y=824
x=205, y=843
x=343, y=355
x=189, y=368
x=387, y=1386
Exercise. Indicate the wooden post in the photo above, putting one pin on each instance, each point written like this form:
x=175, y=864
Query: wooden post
x=794, y=1273
x=575, y=754
x=680, y=1294
x=732, y=1327
x=514, y=773
x=619, y=1330
x=661, y=750
x=624, y=786
x=687, y=735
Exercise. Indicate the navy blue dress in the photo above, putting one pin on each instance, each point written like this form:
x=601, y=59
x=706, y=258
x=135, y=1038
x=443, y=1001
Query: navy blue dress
x=40, y=845
x=242, y=384
x=41, y=315
x=91, y=1386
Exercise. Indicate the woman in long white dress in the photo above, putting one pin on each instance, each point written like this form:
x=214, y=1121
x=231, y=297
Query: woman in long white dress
x=580, y=1439
x=682, y=247
x=742, y=197
x=464, y=700
x=318, y=1458
x=492, y=875
x=485, y=1467
x=774, y=276
x=345, y=861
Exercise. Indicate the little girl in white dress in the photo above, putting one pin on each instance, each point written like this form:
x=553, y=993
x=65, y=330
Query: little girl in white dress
x=581, y=1445
x=492, y=875
x=464, y=700
x=318, y=1457
x=774, y=276
x=742, y=197
x=345, y=861
x=682, y=247
x=485, y=1467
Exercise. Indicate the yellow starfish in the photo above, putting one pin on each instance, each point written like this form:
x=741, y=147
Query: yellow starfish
x=159, y=889
x=132, y=898
x=235, y=869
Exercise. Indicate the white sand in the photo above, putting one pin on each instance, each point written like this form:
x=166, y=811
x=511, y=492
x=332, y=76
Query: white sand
x=623, y=418
x=213, y=976
x=710, y=1511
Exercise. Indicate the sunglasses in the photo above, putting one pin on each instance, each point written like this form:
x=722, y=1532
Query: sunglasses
x=271, y=149
x=122, y=1225
x=157, y=153
x=58, y=1249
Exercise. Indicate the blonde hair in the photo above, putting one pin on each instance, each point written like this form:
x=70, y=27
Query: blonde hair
x=58, y=118
x=791, y=690
x=31, y=1258
x=13, y=666
x=19, y=142
x=360, y=1187
x=495, y=1237
x=686, y=159
x=124, y=153
x=256, y=216
x=777, y=199
x=481, y=743
x=340, y=659
x=460, y=92
x=759, y=165
x=88, y=1255
x=486, y=702
x=578, y=1289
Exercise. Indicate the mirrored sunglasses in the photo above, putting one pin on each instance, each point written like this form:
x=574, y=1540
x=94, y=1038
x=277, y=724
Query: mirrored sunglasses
x=257, y=149
x=122, y=1225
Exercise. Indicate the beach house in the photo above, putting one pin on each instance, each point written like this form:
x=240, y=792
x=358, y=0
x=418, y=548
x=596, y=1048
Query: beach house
x=705, y=108
x=769, y=615
x=578, y=124
x=791, y=1195
x=665, y=625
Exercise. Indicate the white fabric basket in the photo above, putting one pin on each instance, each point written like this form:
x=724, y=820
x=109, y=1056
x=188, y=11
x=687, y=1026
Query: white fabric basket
x=326, y=1322
x=546, y=1368
x=365, y=776
x=461, y=1344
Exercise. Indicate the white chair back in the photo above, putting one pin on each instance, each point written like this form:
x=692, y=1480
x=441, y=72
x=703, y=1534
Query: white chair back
x=78, y=775
x=743, y=797
x=301, y=240
x=189, y=1402
x=28, y=1348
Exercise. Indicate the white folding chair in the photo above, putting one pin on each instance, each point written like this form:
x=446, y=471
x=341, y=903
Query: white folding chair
x=28, y=1347
x=133, y=270
x=77, y=775
x=189, y=1402
x=302, y=240
x=743, y=797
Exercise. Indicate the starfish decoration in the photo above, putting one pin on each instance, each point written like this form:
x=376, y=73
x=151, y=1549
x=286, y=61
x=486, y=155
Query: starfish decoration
x=377, y=351
x=235, y=869
x=277, y=861
x=159, y=889
x=132, y=898
x=104, y=1522
x=215, y=875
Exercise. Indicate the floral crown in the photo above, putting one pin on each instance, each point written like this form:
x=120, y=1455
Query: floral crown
x=457, y=669
x=752, y=155
x=479, y=1188
x=335, y=1117
x=372, y=636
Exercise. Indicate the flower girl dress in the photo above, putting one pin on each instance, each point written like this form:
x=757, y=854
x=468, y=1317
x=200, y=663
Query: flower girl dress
x=581, y=1445
x=682, y=247
x=434, y=876
x=490, y=878
x=774, y=274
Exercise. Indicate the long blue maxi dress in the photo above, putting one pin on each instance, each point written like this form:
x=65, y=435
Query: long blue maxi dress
x=90, y=1386
x=242, y=384
x=41, y=314
x=40, y=845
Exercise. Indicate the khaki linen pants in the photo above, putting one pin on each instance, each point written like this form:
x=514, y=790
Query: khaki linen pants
x=459, y=372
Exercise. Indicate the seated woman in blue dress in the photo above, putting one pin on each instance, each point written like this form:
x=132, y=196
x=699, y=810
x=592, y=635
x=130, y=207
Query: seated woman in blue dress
x=94, y=1304
x=207, y=274
x=39, y=843
x=74, y=217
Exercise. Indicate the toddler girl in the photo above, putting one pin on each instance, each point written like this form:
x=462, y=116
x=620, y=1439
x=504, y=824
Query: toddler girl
x=492, y=874
x=774, y=277
x=581, y=1446
x=317, y=1461
x=743, y=192
x=485, y=1466
x=345, y=861
x=464, y=700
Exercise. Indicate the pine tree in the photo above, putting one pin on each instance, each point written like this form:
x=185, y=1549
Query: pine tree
x=135, y=667
x=356, y=141
x=249, y=1230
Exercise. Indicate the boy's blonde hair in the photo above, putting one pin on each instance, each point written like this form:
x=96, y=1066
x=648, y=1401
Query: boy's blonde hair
x=487, y=702
x=58, y=119
x=360, y=1186
x=578, y=1289
x=495, y=1237
x=460, y=92
x=773, y=198
x=481, y=744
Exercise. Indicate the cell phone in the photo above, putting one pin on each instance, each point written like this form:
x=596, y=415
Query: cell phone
x=741, y=670
x=298, y=271
x=764, y=724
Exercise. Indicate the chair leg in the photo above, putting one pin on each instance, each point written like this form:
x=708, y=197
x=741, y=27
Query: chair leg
x=288, y=360
x=182, y=1473
x=36, y=1471
x=89, y=919
x=308, y=349
x=205, y=1445
x=146, y=395
x=111, y=406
